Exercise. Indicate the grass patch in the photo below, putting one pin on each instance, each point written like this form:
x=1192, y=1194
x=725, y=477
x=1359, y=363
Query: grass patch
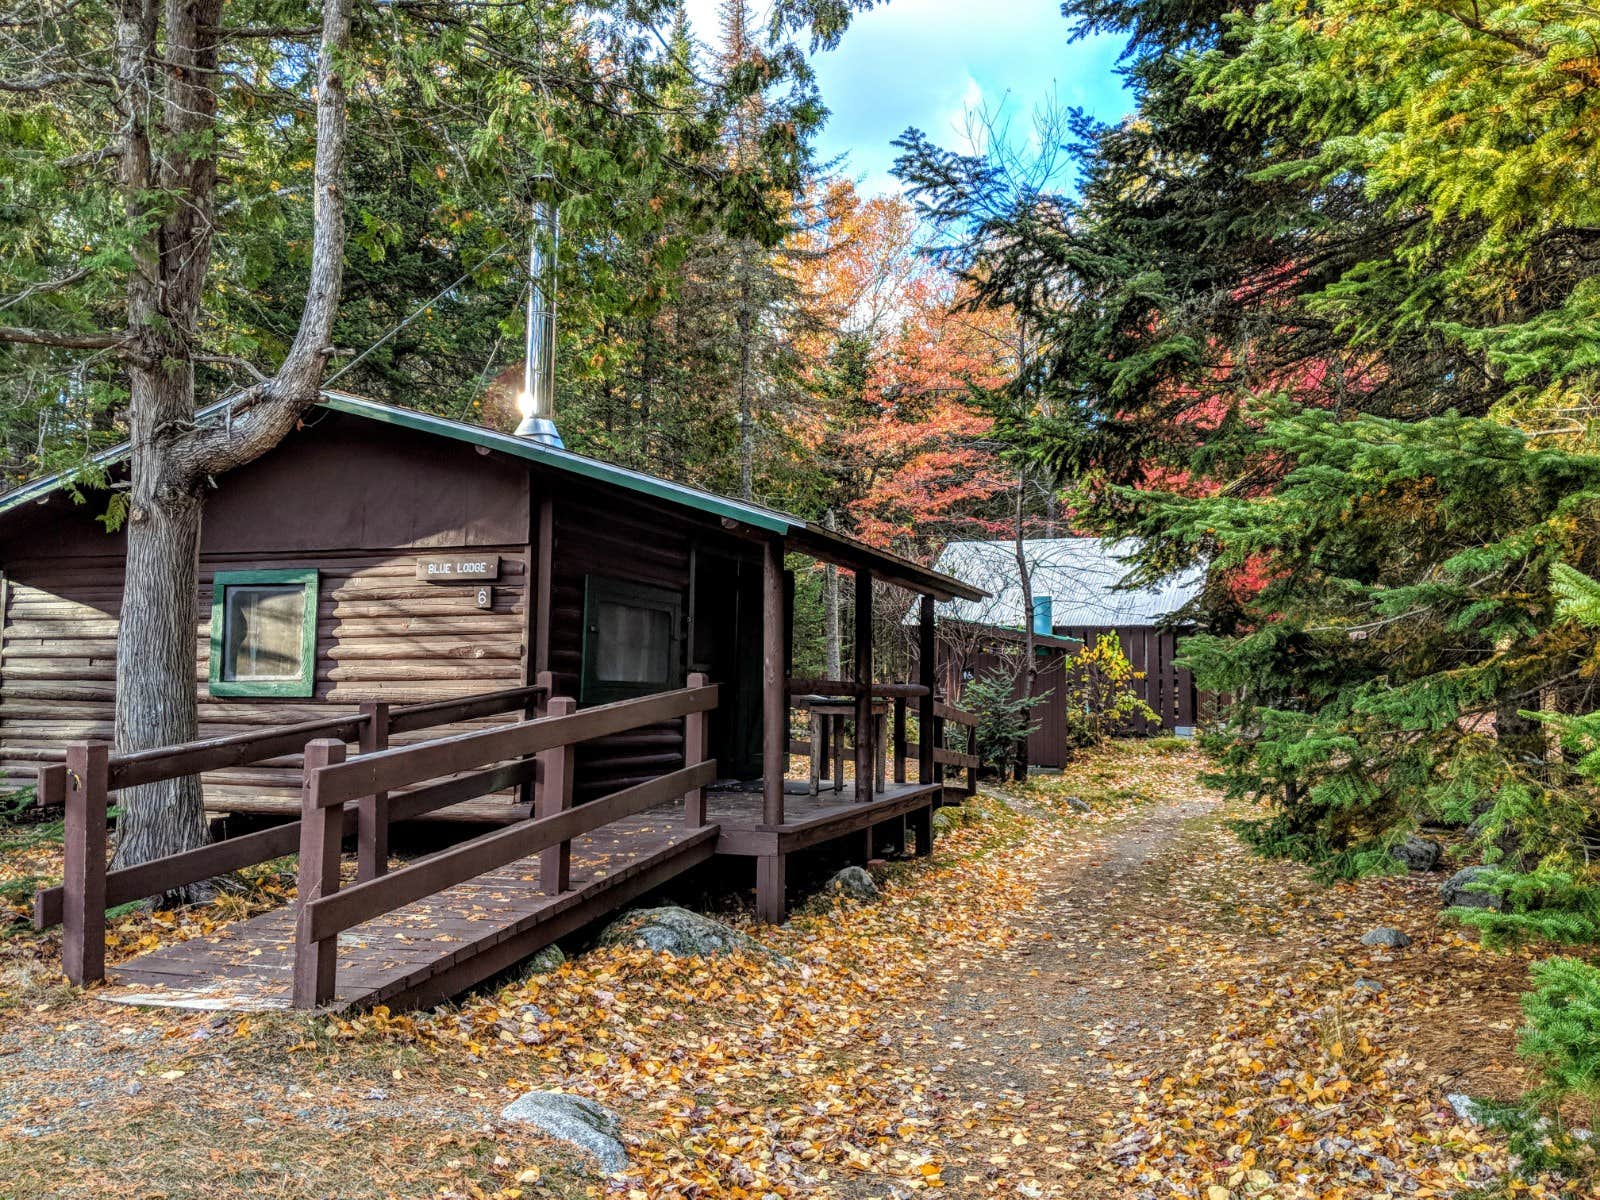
x=196, y=1150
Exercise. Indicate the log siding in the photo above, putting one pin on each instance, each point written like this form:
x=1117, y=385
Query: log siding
x=381, y=635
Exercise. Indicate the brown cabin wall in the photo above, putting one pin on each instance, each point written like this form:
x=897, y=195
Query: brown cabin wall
x=613, y=535
x=359, y=501
x=1047, y=736
x=381, y=635
x=319, y=501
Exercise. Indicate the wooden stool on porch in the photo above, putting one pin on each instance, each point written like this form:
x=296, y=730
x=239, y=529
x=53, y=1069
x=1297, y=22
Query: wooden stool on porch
x=828, y=717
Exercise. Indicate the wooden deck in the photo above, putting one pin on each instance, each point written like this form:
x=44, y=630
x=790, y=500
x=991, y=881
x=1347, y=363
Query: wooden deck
x=808, y=819
x=434, y=948
x=429, y=950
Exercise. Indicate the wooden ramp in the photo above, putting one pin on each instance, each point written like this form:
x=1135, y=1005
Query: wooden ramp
x=432, y=948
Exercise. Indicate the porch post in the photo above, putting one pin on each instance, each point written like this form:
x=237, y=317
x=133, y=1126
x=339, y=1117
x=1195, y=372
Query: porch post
x=774, y=686
x=866, y=758
x=926, y=650
x=544, y=589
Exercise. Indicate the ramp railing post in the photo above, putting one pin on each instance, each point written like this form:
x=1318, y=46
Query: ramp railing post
x=696, y=749
x=554, y=796
x=372, y=812
x=83, y=910
x=321, y=830
x=545, y=681
x=51, y=789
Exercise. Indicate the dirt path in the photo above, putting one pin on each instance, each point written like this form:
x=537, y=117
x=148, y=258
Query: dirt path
x=1039, y=1012
x=1171, y=1010
x=1039, y=1043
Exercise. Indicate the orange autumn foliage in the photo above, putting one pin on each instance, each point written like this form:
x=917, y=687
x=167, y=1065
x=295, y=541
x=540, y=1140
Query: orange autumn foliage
x=911, y=449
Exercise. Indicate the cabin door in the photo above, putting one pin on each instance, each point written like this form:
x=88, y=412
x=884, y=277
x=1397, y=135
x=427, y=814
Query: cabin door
x=726, y=644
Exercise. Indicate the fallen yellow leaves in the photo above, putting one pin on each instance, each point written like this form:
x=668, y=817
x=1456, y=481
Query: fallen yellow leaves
x=1058, y=1005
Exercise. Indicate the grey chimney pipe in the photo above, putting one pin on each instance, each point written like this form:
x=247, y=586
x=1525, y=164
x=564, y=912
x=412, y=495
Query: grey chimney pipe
x=538, y=399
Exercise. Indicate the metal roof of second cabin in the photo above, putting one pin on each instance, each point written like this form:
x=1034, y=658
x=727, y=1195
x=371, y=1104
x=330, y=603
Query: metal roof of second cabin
x=1081, y=575
x=800, y=534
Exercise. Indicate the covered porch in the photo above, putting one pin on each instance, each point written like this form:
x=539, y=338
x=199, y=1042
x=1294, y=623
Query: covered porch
x=858, y=770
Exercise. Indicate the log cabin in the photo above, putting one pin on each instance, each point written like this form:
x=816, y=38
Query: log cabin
x=385, y=555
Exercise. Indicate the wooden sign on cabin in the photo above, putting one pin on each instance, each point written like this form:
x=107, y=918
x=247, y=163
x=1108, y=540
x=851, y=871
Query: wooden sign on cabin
x=475, y=568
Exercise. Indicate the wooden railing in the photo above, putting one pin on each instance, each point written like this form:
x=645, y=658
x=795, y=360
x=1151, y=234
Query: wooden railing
x=899, y=747
x=943, y=756
x=331, y=782
x=91, y=773
x=942, y=714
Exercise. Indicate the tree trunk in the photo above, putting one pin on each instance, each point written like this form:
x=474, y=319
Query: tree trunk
x=156, y=646
x=832, y=650
x=1030, y=662
x=747, y=423
x=156, y=657
x=172, y=458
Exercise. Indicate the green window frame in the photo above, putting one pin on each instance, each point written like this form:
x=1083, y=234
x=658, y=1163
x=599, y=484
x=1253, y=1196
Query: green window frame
x=600, y=591
x=301, y=684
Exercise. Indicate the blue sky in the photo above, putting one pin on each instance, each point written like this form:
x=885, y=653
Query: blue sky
x=925, y=62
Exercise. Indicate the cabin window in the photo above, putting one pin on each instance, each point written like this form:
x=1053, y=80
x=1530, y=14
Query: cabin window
x=263, y=633
x=631, y=640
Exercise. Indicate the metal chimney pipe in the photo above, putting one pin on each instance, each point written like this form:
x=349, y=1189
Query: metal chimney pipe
x=538, y=399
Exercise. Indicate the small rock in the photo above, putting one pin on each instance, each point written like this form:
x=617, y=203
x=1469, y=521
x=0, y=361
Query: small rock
x=1367, y=985
x=1466, y=1108
x=575, y=1120
x=1459, y=891
x=1417, y=853
x=1079, y=804
x=855, y=883
x=1391, y=939
x=680, y=932
x=544, y=962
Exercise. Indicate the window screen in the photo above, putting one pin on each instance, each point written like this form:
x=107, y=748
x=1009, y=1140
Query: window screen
x=632, y=644
x=263, y=633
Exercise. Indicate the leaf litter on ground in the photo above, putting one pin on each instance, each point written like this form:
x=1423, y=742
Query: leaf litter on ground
x=1120, y=1003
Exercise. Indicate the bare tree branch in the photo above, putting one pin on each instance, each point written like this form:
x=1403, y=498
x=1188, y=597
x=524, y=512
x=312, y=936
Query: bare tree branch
x=63, y=341
x=272, y=408
x=224, y=32
x=43, y=83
